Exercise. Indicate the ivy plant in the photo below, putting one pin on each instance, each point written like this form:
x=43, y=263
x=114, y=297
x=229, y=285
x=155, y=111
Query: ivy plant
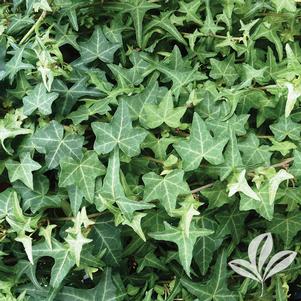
x=144, y=144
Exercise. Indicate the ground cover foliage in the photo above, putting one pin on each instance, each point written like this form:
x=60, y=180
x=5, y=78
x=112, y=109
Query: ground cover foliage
x=144, y=144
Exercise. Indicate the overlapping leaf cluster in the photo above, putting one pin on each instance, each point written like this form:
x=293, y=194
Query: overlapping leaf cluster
x=144, y=144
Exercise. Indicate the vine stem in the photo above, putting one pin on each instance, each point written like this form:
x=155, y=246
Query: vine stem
x=69, y=218
x=279, y=164
x=196, y=190
x=34, y=27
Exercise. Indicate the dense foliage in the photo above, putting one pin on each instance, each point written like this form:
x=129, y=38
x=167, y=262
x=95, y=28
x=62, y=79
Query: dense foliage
x=144, y=144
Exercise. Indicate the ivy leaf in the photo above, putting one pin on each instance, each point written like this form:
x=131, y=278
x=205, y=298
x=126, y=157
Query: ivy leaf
x=231, y=221
x=265, y=30
x=70, y=95
x=224, y=70
x=81, y=173
x=165, y=189
x=98, y=47
x=51, y=141
x=286, y=226
x=224, y=128
x=288, y=5
x=214, y=289
x=136, y=103
x=137, y=9
x=205, y=245
x=22, y=170
x=165, y=112
x=63, y=260
x=10, y=127
x=292, y=95
x=164, y=22
x=185, y=244
x=113, y=191
x=286, y=127
x=176, y=70
x=119, y=132
x=253, y=152
x=75, y=197
x=233, y=161
x=216, y=195
x=38, y=198
x=158, y=146
x=15, y=64
x=39, y=99
x=275, y=181
x=295, y=169
x=264, y=207
x=107, y=237
x=200, y=145
x=191, y=10
x=242, y=186
x=104, y=291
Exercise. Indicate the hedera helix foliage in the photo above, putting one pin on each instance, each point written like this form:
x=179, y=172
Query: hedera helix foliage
x=144, y=144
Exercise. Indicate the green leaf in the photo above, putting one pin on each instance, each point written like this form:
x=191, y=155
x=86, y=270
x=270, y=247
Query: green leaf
x=113, y=191
x=286, y=127
x=216, y=195
x=191, y=10
x=158, y=146
x=224, y=70
x=104, y=291
x=22, y=170
x=205, y=245
x=166, y=189
x=39, y=99
x=200, y=145
x=107, y=237
x=165, y=112
x=15, y=64
x=38, y=198
x=263, y=207
x=295, y=169
x=81, y=173
x=231, y=222
x=289, y=5
x=233, y=161
x=119, y=132
x=216, y=287
x=286, y=226
x=50, y=140
x=253, y=152
x=10, y=127
x=98, y=47
x=185, y=244
x=235, y=124
x=63, y=260
x=266, y=30
x=164, y=22
x=70, y=95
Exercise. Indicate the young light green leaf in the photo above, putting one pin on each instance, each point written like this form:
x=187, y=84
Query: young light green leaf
x=242, y=186
x=275, y=181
